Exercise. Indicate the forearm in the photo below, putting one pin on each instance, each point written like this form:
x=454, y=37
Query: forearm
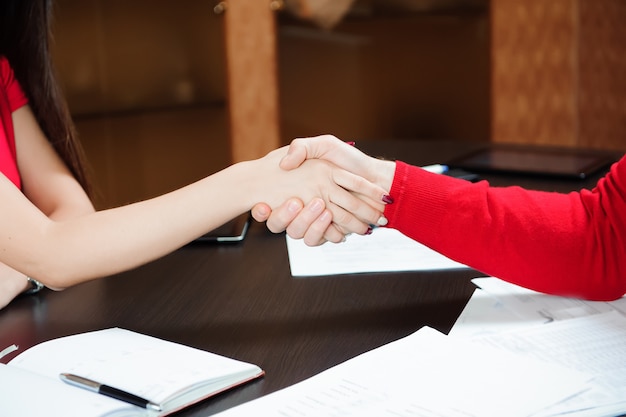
x=63, y=253
x=545, y=241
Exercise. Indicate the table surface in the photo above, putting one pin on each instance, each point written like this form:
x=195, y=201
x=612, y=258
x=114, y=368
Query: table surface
x=240, y=300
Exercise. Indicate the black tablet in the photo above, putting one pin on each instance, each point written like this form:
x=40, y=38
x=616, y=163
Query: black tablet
x=535, y=161
x=232, y=231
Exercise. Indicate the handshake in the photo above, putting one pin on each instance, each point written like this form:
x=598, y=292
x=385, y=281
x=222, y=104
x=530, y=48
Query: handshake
x=344, y=189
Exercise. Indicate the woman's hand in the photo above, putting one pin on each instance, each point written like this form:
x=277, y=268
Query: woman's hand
x=311, y=222
x=342, y=154
x=353, y=202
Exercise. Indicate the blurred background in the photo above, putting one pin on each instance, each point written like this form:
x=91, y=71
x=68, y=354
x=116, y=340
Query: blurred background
x=165, y=94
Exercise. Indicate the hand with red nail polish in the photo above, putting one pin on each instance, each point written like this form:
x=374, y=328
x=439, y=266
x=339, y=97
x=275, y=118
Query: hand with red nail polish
x=344, y=155
x=331, y=201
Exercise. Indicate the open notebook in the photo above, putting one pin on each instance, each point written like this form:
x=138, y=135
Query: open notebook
x=169, y=374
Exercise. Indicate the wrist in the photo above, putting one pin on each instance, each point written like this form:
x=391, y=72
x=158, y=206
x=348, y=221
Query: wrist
x=248, y=186
x=384, y=171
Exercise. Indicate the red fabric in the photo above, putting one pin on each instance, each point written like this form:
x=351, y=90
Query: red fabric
x=11, y=98
x=565, y=244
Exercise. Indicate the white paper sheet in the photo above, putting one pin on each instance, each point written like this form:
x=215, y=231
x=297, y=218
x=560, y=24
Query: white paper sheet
x=484, y=315
x=424, y=374
x=579, y=334
x=532, y=305
x=595, y=344
x=385, y=250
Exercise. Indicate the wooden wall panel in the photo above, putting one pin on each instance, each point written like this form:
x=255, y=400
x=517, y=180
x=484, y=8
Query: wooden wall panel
x=602, y=60
x=533, y=71
x=558, y=72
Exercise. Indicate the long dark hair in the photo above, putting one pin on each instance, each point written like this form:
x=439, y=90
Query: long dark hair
x=25, y=36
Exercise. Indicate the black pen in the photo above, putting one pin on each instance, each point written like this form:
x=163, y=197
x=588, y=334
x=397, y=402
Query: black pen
x=118, y=394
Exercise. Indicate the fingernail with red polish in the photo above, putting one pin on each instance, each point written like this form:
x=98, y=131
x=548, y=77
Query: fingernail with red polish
x=387, y=199
x=369, y=231
x=351, y=143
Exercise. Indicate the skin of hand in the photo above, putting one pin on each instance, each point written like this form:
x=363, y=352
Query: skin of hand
x=314, y=221
x=63, y=252
x=302, y=222
x=353, y=198
x=342, y=154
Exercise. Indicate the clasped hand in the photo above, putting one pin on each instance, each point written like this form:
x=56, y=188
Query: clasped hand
x=360, y=189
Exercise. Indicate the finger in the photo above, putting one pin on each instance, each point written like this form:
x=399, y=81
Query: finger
x=333, y=234
x=261, y=212
x=314, y=227
x=314, y=234
x=307, y=218
x=296, y=155
x=282, y=216
x=356, y=211
x=348, y=221
x=318, y=147
x=359, y=185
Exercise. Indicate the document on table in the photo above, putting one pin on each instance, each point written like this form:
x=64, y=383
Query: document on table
x=499, y=305
x=595, y=345
x=527, y=303
x=425, y=374
x=385, y=250
x=589, y=336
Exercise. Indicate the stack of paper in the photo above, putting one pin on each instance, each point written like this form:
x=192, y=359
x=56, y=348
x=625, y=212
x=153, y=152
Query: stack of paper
x=583, y=335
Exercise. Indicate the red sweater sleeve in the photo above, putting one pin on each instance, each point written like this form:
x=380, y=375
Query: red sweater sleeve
x=565, y=244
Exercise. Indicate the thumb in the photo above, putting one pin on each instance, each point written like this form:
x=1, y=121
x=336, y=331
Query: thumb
x=261, y=212
x=318, y=147
x=296, y=155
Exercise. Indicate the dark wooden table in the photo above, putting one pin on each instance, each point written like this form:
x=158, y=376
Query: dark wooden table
x=240, y=300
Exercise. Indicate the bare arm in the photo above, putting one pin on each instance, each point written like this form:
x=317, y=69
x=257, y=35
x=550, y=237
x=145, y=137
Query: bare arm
x=64, y=252
x=47, y=183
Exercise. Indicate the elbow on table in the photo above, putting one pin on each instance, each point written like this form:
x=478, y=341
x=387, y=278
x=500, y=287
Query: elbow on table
x=52, y=281
x=56, y=276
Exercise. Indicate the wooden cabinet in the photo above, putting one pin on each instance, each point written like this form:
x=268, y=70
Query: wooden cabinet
x=559, y=72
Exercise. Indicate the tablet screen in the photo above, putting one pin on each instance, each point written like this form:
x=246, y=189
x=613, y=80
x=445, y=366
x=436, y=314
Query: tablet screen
x=533, y=161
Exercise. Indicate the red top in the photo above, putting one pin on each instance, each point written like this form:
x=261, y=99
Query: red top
x=564, y=244
x=12, y=97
